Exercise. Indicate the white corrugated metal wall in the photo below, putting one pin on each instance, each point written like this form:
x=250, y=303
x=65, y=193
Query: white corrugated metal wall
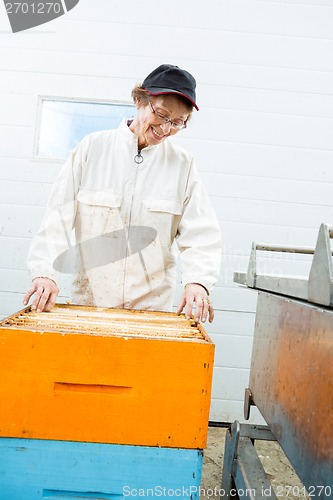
x=263, y=138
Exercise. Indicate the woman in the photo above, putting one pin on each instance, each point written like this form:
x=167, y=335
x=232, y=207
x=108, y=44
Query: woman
x=130, y=195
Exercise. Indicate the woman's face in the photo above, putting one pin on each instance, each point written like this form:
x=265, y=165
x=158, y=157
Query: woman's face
x=151, y=128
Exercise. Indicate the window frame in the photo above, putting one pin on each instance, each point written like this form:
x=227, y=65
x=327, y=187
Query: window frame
x=83, y=100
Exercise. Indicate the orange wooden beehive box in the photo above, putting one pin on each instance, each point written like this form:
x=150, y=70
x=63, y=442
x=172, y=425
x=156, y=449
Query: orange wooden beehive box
x=105, y=375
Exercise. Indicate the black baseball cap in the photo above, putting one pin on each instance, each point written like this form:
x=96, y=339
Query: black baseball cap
x=169, y=79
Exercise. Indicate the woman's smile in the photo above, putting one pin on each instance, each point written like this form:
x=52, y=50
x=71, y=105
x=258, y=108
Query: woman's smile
x=157, y=135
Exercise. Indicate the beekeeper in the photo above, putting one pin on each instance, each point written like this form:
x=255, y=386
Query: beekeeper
x=130, y=196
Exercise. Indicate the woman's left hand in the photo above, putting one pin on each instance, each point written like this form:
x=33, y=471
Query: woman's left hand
x=195, y=296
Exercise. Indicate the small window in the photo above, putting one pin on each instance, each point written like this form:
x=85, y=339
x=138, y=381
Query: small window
x=61, y=123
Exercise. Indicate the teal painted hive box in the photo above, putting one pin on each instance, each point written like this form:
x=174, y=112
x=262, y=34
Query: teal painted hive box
x=32, y=469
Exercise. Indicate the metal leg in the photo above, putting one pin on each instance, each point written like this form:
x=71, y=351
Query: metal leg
x=230, y=451
x=243, y=475
x=250, y=477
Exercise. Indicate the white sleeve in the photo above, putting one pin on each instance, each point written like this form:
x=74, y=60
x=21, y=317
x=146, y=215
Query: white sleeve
x=199, y=237
x=54, y=234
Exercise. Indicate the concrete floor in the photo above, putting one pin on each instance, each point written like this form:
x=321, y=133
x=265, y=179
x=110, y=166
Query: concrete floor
x=283, y=478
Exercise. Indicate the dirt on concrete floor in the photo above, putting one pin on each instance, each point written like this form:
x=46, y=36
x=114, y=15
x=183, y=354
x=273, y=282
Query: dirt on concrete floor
x=284, y=481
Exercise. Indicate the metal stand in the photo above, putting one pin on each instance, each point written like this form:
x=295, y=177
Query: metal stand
x=290, y=377
x=243, y=475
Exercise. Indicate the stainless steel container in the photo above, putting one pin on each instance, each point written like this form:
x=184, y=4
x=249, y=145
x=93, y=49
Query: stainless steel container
x=291, y=376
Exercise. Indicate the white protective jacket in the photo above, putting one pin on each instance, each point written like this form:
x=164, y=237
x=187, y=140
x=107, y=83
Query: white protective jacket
x=126, y=218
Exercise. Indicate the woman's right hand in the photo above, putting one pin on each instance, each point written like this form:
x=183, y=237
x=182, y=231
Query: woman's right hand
x=46, y=292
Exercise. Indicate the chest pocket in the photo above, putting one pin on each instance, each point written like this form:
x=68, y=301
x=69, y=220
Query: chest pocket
x=98, y=211
x=164, y=215
x=160, y=205
x=99, y=198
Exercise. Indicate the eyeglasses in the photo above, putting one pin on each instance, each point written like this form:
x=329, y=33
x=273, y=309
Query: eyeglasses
x=177, y=124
